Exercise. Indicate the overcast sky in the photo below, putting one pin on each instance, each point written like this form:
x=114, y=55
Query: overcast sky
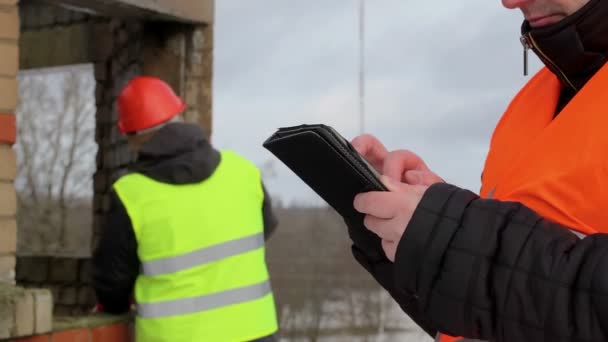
x=439, y=75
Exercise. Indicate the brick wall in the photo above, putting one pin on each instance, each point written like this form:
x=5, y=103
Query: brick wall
x=118, y=58
x=118, y=55
x=116, y=47
x=9, y=65
x=182, y=55
x=68, y=279
x=198, y=77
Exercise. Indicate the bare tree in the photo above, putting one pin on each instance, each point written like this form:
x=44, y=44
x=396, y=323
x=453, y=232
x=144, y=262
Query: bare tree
x=56, y=151
x=321, y=290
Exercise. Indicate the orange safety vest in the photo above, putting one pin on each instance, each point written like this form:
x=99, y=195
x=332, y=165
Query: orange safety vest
x=557, y=167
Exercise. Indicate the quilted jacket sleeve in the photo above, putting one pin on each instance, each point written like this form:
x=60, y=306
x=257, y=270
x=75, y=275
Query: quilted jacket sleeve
x=497, y=271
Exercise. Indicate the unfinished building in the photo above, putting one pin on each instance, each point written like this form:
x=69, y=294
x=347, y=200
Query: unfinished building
x=40, y=295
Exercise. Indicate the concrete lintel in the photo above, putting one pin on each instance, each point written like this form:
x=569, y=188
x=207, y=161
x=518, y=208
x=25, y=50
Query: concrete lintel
x=188, y=11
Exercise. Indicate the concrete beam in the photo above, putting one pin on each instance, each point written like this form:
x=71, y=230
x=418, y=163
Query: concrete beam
x=199, y=11
x=188, y=11
x=56, y=46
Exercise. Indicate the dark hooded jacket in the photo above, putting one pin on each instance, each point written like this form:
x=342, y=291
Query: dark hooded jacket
x=493, y=270
x=177, y=154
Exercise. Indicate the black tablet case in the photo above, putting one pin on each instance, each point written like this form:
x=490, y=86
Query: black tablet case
x=330, y=166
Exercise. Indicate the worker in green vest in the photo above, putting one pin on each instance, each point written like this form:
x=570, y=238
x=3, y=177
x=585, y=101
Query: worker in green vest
x=186, y=230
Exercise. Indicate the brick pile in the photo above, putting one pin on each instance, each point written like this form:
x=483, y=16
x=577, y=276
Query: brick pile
x=24, y=312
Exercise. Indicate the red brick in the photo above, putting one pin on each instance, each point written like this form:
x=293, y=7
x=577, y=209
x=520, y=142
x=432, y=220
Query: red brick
x=38, y=338
x=116, y=332
x=76, y=335
x=8, y=128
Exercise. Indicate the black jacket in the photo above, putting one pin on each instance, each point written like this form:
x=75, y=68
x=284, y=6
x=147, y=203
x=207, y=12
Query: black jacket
x=493, y=270
x=177, y=154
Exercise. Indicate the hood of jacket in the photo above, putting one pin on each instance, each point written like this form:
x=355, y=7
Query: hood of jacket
x=177, y=154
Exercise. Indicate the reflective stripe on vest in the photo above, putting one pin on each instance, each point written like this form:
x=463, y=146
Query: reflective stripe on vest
x=203, y=256
x=555, y=166
x=202, y=252
x=203, y=303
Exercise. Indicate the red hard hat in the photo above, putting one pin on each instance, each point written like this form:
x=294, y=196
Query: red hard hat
x=146, y=102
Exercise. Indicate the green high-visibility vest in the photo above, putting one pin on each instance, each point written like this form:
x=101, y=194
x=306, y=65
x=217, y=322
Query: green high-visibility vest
x=201, y=246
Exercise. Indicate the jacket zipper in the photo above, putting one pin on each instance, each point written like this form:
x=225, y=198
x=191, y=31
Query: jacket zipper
x=526, y=46
x=528, y=42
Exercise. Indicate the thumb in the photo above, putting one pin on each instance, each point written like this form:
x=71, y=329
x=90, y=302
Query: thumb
x=418, y=177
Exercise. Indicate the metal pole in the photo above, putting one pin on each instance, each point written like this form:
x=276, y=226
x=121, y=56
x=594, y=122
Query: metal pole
x=362, y=65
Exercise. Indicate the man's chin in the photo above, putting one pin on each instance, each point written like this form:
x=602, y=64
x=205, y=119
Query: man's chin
x=545, y=21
